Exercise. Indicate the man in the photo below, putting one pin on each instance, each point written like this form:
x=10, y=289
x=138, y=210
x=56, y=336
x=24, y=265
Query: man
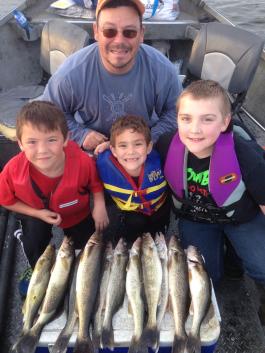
x=115, y=76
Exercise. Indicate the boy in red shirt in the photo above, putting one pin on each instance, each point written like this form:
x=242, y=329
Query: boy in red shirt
x=50, y=182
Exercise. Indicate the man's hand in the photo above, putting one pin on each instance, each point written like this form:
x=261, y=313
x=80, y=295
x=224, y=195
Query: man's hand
x=49, y=217
x=93, y=139
x=101, y=148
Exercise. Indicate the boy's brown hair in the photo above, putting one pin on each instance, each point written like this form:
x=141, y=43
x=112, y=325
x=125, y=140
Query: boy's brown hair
x=130, y=122
x=204, y=89
x=43, y=115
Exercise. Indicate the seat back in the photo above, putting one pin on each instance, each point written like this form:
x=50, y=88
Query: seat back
x=60, y=39
x=228, y=55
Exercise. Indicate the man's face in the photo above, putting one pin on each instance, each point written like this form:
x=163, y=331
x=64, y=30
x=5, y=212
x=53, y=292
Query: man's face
x=118, y=53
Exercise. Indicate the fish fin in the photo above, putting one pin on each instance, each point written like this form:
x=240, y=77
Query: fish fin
x=24, y=308
x=84, y=345
x=107, y=338
x=191, y=310
x=179, y=344
x=150, y=337
x=130, y=308
x=193, y=345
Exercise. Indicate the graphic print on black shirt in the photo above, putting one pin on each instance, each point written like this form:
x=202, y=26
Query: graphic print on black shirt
x=198, y=181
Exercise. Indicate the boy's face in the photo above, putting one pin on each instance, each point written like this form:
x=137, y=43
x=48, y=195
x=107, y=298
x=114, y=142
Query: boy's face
x=44, y=149
x=200, y=122
x=131, y=151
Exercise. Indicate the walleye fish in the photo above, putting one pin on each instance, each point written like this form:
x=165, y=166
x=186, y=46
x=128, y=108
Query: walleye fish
x=152, y=279
x=53, y=297
x=134, y=292
x=86, y=290
x=200, y=289
x=62, y=340
x=37, y=286
x=115, y=292
x=162, y=253
x=100, y=306
x=178, y=292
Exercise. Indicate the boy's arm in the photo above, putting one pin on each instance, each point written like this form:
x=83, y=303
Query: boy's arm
x=43, y=214
x=99, y=212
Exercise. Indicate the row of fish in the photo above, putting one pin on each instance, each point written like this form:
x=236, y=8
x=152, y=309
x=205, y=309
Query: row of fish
x=166, y=278
x=155, y=277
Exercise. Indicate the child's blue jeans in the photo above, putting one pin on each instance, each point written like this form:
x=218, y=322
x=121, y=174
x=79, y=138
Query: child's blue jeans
x=248, y=240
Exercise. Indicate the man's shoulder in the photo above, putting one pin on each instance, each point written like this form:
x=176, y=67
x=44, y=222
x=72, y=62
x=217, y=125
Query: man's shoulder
x=82, y=57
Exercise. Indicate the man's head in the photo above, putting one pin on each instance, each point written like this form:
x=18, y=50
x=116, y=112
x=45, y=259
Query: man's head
x=130, y=143
x=119, y=32
x=136, y=4
x=204, y=112
x=43, y=116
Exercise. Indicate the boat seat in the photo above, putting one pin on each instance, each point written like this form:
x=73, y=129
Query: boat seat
x=228, y=55
x=59, y=39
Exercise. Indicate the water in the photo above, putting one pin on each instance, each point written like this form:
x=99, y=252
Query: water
x=247, y=14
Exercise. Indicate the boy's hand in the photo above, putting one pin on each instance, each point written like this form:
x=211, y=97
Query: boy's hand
x=49, y=217
x=100, y=217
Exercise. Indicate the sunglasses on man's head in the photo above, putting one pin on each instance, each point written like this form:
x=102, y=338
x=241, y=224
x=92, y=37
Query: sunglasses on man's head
x=112, y=32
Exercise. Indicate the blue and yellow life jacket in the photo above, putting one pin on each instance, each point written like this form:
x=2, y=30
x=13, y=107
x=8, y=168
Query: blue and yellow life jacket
x=147, y=196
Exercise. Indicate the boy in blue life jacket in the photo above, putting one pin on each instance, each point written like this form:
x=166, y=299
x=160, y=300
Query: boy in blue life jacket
x=50, y=183
x=135, y=186
x=217, y=179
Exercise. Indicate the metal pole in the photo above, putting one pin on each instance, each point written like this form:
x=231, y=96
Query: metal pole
x=3, y=224
x=6, y=265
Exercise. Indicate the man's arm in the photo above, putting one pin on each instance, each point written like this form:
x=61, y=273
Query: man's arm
x=166, y=107
x=59, y=91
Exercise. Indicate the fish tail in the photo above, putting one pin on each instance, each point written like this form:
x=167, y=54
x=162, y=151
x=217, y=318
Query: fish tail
x=27, y=343
x=150, y=337
x=135, y=346
x=107, y=337
x=193, y=345
x=61, y=343
x=96, y=339
x=179, y=344
x=83, y=345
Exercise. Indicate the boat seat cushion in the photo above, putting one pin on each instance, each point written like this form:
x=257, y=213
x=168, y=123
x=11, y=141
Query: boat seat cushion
x=59, y=39
x=11, y=102
x=226, y=54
